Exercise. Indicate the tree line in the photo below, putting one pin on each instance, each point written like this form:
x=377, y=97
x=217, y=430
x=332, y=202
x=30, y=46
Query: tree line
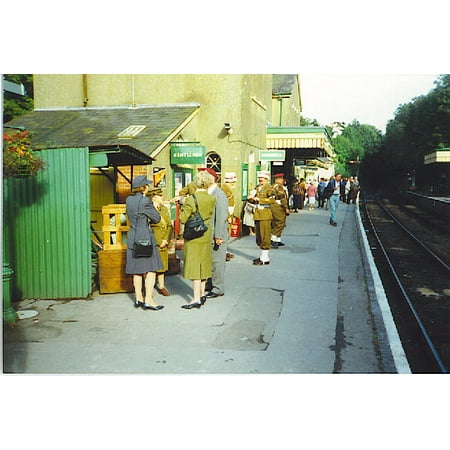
x=393, y=159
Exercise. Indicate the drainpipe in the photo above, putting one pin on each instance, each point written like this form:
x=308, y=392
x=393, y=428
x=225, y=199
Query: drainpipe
x=280, y=99
x=133, y=101
x=85, y=90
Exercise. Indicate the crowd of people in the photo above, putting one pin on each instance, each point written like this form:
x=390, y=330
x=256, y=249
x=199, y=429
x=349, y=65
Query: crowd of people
x=265, y=213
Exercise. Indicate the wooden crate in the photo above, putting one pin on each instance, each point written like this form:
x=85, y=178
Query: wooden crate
x=114, y=232
x=112, y=276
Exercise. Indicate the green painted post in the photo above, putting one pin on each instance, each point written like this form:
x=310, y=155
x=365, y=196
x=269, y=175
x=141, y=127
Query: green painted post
x=9, y=314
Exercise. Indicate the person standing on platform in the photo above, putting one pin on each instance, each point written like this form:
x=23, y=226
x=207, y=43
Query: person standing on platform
x=228, y=188
x=163, y=233
x=354, y=195
x=334, y=188
x=249, y=210
x=141, y=211
x=311, y=192
x=220, y=239
x=343, y=194
x=262, y=198
x=302, y=186
x=321, y=192
x=280, y=210
x=296, y=196
x=197, y=252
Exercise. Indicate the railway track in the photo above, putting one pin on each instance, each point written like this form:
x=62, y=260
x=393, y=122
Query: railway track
x=412, y=253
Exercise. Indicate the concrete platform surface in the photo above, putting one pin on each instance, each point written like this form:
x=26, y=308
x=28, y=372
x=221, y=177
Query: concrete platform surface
x=314, y=309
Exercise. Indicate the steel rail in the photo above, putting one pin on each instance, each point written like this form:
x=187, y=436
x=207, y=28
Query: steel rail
x=405, y=295
x=443, y=263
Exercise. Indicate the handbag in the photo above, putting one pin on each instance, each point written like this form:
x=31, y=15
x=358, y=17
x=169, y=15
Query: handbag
x=143, y=249
x=195, y=226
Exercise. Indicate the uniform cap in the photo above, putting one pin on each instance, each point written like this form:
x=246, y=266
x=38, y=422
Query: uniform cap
x=209, y=170
x=230, y=177
x=139, y=181
x=279, y=175
x=263, y=174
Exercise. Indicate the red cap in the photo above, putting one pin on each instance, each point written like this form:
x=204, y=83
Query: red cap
x=209, y=170
x=279, y=175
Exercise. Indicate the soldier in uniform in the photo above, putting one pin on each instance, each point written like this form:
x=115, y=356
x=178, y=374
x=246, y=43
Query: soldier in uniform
x=262, y=197
x=228, y=188
x=280, y=210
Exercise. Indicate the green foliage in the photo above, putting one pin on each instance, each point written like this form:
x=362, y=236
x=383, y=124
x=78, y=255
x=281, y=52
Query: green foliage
x=305, y=122
x=354, y=143
x=16, y=105
x=418, y=128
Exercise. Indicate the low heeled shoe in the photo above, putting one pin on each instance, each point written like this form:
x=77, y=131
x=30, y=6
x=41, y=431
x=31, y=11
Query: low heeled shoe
x=192, y=305
x=212, y=294
x=151, y=307
x=164, y=292
x=137, y=303
x=258, y=262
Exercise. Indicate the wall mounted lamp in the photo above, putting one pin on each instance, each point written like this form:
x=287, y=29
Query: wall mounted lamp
x=227, y=127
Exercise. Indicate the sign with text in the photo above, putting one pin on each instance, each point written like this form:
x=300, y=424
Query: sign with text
x=272, y=155
x=187, y=153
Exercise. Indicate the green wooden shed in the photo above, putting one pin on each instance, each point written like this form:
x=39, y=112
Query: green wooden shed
x=47, y=217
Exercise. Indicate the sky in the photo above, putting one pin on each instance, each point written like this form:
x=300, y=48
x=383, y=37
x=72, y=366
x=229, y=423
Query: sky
x=370, y=99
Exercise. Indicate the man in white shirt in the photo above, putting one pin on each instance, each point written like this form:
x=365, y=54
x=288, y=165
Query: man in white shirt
x=334, y=199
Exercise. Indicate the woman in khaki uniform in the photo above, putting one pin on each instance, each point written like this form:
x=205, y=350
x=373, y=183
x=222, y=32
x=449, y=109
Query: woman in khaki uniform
x=198, y=252
x=163, y=233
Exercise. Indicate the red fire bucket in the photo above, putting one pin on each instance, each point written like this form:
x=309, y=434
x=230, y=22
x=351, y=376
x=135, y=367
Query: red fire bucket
x=236, y=227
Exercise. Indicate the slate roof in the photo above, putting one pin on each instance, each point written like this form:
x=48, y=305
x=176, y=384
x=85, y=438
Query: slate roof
x=98, y=127
x=283, y=84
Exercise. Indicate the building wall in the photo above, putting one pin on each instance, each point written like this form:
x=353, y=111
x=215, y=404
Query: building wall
x=223, y=98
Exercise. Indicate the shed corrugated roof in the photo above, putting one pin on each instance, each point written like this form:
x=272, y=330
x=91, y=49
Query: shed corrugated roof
x=99, y=127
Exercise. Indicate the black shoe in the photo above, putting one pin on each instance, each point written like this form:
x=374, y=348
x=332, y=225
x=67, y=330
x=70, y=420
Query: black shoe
x=137, y=303
x=213, y=295
x=281, y=244
x=258, y=262
x=203, y=300
x=274, y=244
x=145, y=307
x=192, y=305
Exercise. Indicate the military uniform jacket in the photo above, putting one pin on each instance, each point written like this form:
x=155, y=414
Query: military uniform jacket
x=265, y=194
x=163, y=229
x=281, y=198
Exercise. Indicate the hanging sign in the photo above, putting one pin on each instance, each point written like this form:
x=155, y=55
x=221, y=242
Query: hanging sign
x=187, y=153
x=272, y=155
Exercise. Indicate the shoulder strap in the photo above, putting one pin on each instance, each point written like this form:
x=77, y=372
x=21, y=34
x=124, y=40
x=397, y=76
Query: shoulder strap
x=196, y=205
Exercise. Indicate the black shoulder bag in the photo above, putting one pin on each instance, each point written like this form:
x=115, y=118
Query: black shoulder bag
x=143, y=248
x=195, y=226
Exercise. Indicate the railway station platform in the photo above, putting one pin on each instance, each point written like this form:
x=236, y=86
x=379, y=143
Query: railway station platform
x=317, y=308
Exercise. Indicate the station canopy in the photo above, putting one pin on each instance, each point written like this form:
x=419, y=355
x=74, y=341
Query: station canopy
x=307, y=145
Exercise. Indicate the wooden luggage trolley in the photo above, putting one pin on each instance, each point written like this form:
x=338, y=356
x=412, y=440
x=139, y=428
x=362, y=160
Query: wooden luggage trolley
x=112, y=259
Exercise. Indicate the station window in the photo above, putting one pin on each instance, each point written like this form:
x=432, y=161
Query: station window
x=214, y=162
